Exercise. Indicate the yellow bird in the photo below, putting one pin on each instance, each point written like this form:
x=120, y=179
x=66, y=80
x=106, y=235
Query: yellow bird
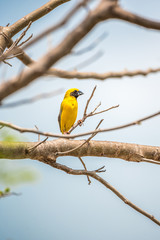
x=68, y=110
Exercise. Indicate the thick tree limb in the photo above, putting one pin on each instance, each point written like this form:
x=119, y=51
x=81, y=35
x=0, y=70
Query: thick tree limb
x=125, y=151
x=45, y=152
x=119, y=13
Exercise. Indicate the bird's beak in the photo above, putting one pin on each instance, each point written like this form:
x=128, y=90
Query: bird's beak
x=80, y=93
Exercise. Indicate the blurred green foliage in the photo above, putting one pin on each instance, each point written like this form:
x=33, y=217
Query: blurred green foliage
x=5, y=192
x=10, y=136
x=14, y=172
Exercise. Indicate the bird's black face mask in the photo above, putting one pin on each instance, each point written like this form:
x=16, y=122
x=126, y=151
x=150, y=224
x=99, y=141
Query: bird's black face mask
x=76, y=93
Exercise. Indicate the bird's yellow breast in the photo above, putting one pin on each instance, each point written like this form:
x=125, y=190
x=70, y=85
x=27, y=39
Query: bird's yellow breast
x=68, y=113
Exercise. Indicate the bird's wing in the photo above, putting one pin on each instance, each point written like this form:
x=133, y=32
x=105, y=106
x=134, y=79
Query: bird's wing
x=59, y=117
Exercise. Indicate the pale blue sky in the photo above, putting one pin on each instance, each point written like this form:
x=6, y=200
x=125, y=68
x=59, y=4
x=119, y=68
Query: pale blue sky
x=60, y=206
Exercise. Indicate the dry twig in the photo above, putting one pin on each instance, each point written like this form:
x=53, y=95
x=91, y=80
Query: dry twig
x=59, y=25
x=89, y=181
x=14, y=50
x=88, y=61
x=38, y=144
x=91, y=46
x=48, y=134
x=78, y=147
x=104, y=10
x=31, y=100
x=92, y=113
x=16, y=27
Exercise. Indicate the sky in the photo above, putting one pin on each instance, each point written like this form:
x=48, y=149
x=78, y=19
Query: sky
x=57, y=205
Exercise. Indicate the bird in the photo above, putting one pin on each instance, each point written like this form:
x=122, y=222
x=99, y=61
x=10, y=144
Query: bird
x=68, y=110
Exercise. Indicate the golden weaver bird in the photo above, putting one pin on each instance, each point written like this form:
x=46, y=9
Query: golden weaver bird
x=68, y=110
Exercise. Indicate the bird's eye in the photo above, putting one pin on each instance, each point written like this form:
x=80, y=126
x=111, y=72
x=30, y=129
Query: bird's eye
x=75, y=91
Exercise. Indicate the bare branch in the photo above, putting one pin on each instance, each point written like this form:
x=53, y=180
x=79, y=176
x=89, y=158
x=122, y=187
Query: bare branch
x=33, y=99
x=88, y=101
x=14, y=50
x=38, y=144
x=90, y=47
x=39, y=137
x=100, y=13
x=88, y=61
x=89, y=181
x=99, y=76
x=57, y=26
x=78, y=147
x=105, y=110
x=7, y=63
x=13, y=29
x=47, y=134
x=126, y=151
x=92, y=113
x=119, y=13
x=105, y=183
x=104, y=11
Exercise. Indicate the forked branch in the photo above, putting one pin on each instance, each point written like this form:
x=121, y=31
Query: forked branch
x=92, y=113
x=14, y=50
x=93, y=174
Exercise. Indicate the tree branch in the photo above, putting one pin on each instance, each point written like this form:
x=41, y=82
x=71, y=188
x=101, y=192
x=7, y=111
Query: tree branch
x=47, y=134
x=122, y=14
x=58, y=25
x=10, y=31
x=32, y=99
x=104, y=182
x=100, y=13
x=104, y=11
x=99, y=76
x=14, y=49
x=126, y=151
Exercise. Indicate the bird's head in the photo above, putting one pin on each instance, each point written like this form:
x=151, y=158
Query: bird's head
x=73, y=92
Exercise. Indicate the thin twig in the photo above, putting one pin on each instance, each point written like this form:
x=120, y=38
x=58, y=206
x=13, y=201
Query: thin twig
x=32, y=99
x=58, y=25
x=88, y=61
x=92, y=113
x=38, y=134
x=13, y=50
x=79, y=122
x=32, y=148
x=88, y=101
x=4, y=61
x=89, y=181
x=150, y=161
x=91, y=46
x=76, y=148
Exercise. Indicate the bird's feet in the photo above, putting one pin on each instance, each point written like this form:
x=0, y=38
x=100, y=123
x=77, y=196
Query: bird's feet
x=66, y=133
x=80, y=122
